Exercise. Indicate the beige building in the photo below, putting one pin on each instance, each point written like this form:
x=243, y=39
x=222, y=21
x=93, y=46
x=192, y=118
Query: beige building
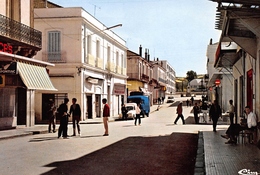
x=89, y=58
x=21, y=76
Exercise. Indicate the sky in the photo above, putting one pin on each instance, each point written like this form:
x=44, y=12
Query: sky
x=178, y=31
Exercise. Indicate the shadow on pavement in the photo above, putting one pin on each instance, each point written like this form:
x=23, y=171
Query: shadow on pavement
x=172, y=154
x=91, y=136
x=40, y=139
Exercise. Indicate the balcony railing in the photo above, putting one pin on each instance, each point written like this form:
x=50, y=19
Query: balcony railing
x=145, y=78
x=20, y=32
x=54, y=57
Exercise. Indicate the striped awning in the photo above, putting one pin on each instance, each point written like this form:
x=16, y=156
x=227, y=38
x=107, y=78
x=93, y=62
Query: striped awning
x=35, y=77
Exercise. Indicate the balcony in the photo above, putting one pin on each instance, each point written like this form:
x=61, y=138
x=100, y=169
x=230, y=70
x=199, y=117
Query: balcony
x=55, y=57
x=145, y=78
x=25, y=40
x=137, y=76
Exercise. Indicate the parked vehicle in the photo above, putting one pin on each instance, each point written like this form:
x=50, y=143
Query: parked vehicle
x=131, y=110
x=170, y=99
x=143, y=100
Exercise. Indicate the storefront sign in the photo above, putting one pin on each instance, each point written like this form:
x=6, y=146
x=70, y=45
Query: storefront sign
x=119, y=89
x=8, y=68
x=6, y=48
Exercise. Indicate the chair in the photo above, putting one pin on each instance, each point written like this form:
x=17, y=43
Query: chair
x=247, y=136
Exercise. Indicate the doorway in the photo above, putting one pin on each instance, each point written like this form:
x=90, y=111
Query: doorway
x=89, y=107
x=98, y=104
x=45, y=104
x=21, y=114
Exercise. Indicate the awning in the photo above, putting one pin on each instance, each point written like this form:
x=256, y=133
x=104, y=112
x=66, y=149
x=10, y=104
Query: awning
x=35, y=77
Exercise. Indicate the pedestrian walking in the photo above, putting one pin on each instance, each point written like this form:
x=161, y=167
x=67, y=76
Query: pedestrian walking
x=204, y=110
x=231, y=112
x=215, y=113
x=51, y=115
x=159, y=100
x=196, y=111
x=75, y=111
x=187, y=102
x=106, y=115
x=138, y=117
x=63, y=113
x=179, y=114
x=192, y=100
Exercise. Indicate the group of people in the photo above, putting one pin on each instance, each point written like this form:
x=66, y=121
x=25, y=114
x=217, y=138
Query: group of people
x=63, y=113
x=214, y=113
x=248, y=122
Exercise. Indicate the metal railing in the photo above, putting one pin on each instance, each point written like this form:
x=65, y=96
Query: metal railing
x=20, y=32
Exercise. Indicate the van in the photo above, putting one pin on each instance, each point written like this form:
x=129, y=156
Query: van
x=143, y=100
x=131, y=110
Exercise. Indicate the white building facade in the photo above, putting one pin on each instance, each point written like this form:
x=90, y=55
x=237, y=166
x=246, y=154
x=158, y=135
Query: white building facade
x=170, y=78
x=90, y=61
x=224, y=91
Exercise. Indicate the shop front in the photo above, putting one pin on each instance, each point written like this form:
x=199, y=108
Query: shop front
x=20, y=77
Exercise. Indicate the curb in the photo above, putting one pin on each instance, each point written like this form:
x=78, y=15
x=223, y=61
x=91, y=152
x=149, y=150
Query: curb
x=200, y=159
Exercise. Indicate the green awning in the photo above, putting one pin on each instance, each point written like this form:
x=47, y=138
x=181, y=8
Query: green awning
x=35, y=77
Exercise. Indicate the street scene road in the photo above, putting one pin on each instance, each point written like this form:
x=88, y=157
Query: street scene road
x=43, y=153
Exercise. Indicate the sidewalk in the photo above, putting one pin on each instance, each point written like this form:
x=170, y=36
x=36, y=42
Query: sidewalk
x=20, y=131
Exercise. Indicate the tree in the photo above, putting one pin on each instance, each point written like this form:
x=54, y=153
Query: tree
x=190, y=75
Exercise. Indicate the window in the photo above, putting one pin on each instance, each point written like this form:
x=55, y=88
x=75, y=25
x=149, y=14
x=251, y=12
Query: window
x=108, y=54
x=97, y=51
x=117, y=58
x=54, y=46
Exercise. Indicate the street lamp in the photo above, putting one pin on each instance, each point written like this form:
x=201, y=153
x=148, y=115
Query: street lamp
x=108, y=28
x=118, y=25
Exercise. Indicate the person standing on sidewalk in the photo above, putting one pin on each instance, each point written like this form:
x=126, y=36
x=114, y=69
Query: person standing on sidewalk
x=76, y=115
x=106, y=114
x=215, y=113
x=231, y=112
x=196, y=111
x=138, y=114
x=124, y=112
x=179, y=114
x=51, y=115
x=63, y=112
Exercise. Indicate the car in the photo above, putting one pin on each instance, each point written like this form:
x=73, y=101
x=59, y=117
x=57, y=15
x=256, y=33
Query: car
x=131, y=110
x=143, y=100
x=170, y=99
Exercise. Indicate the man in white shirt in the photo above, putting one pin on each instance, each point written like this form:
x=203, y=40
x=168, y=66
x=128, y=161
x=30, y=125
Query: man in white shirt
x=234, y=129
x=231, y=112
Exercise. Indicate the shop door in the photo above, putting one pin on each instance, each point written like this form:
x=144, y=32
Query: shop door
x=89, y=106
x=98, y=104
x=21, y=114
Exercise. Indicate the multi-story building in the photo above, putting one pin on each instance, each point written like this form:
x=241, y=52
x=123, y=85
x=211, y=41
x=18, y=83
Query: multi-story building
x=159, y=74
x=170, y=78
x=90, y=60
x=220, y=84
x=21, y=76
x=139, y=72
x=239, y=22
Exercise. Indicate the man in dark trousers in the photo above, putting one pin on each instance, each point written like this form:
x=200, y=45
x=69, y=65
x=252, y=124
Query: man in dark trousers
x=51, y=115
x=179, y=113
x=215, y=113
x=63, y=112
x=76, y=115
